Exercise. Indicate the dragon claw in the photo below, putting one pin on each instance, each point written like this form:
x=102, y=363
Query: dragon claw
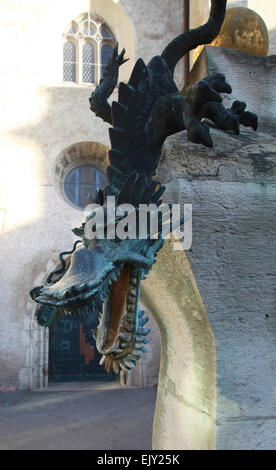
x=118, y=59
x=121, y=59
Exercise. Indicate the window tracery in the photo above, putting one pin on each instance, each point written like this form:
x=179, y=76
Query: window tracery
x=88, y=44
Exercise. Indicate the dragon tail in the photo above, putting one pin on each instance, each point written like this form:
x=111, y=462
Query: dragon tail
x=195, y=37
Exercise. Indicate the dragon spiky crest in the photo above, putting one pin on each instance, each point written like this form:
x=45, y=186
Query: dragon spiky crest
x=103, y=276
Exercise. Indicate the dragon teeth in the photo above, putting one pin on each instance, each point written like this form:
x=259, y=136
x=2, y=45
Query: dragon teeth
x=132, y=308
x=125, y=337
x=128, y=364
x=118, y=351
x=129, y=318
x=134, y=357
x=128, y=324
x=124, y=367
x=128, y=327
x=131, y=300
x=132, y=292
x=102, y=361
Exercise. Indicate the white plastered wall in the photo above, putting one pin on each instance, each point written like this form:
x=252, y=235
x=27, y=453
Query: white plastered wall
x=41, y=116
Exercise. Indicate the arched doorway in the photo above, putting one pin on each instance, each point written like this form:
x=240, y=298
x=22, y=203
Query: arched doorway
x=44, y=346
x=73, y=355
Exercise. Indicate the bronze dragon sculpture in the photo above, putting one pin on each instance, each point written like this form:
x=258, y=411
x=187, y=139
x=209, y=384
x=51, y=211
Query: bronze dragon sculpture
x=102, y=276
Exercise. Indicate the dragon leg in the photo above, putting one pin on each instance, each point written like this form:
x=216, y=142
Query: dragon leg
x=228, y=119
x=98, y=100
x=175, y=113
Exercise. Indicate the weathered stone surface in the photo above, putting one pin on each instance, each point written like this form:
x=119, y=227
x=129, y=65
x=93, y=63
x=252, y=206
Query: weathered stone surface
x=42, y=117
x=247, y=157
x=187, y=379
x=233, y=257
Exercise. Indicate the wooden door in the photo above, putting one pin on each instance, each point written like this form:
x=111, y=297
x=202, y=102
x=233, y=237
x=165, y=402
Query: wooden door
x=71, y=356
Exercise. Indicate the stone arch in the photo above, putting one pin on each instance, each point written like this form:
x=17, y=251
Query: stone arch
x=186, y=399
x=122, y=27
x=36, y=338
x=146, y=372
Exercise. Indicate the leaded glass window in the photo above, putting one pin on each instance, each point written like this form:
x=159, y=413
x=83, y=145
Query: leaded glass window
x=88, y=45
x=105, y=33
x=69, y=62
x=73, y=28
x=89, y=28
x=88, y=62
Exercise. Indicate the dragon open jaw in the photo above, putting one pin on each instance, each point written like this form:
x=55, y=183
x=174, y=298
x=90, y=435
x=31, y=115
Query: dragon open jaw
x=94, y=286
x=120, y=336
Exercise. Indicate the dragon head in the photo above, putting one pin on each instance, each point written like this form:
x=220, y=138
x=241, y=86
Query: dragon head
x=104, y=273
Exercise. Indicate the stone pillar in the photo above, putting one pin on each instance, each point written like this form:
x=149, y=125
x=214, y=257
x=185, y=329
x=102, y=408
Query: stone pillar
x=232, y=189
x=185, y=407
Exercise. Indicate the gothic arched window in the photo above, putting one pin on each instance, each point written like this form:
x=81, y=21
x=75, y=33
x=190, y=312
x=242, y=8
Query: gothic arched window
x=88, y=44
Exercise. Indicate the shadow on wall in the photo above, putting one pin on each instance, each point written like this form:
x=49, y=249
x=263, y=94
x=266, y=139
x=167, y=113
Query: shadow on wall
x=38, y=222
x=28, y=243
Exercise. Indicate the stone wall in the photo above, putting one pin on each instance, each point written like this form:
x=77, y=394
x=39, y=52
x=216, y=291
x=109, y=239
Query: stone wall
x=186, y=397
x=42, y=117
x=233, y=191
